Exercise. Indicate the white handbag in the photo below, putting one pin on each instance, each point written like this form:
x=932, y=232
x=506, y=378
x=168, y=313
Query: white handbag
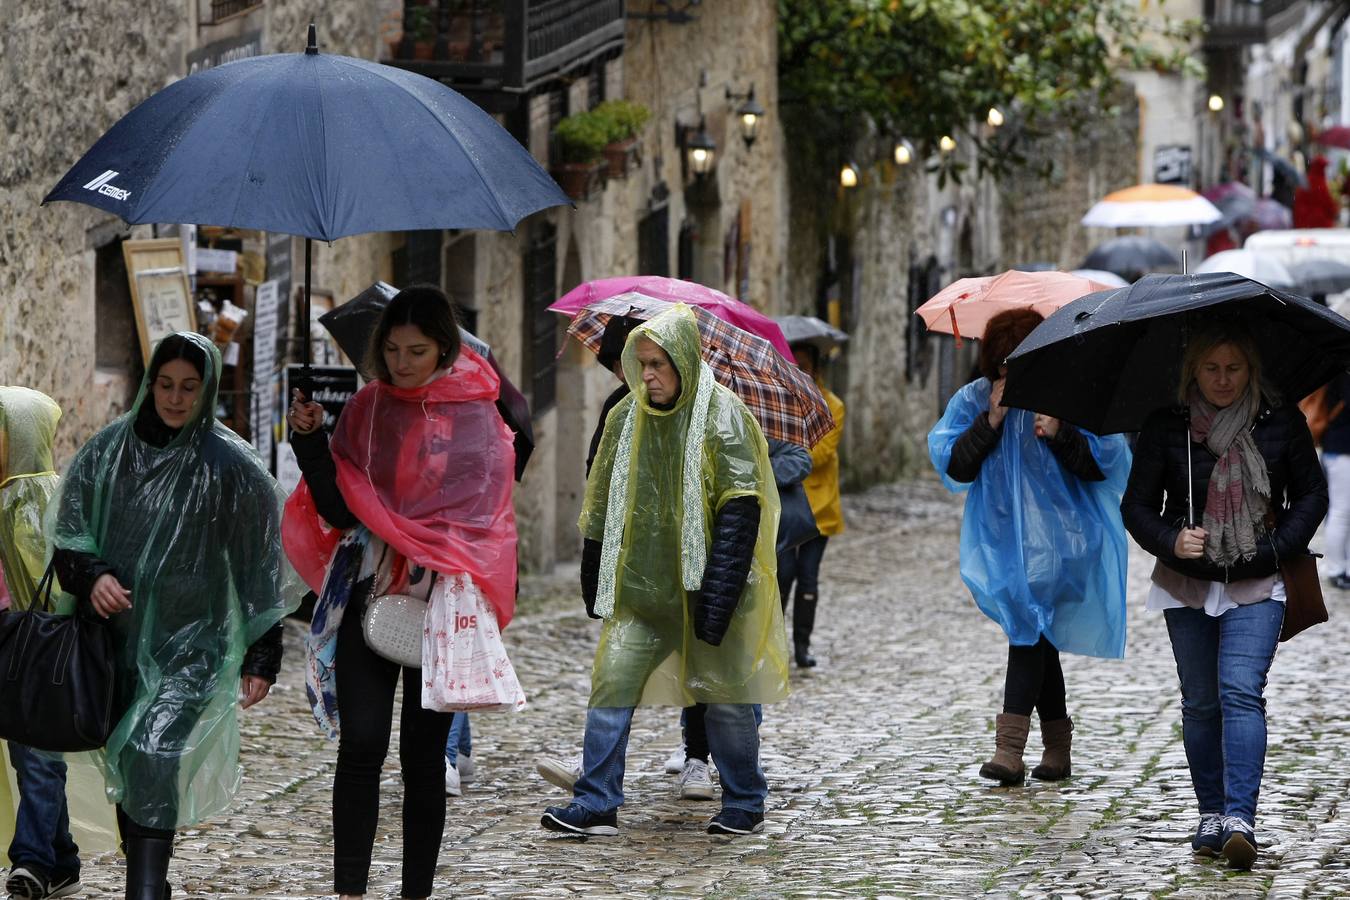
x=394, y=627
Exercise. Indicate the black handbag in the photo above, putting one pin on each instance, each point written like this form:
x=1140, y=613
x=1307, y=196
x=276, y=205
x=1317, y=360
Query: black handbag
x=796, y=522
x=56, y=676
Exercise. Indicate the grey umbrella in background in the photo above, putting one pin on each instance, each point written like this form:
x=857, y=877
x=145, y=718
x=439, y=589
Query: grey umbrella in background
x=1320, y=276
x=810, y=330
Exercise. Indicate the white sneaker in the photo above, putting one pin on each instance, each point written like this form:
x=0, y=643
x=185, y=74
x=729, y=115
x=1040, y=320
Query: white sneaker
x=675, y=762
x=695, y=781
x=466, y=769
x=452, y=782
x=560, y=772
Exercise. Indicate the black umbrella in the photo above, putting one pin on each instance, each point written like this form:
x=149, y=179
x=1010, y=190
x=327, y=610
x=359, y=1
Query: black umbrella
x=353, y=323
x=1131, y=256
x=1107, y=360
x=1320, y=276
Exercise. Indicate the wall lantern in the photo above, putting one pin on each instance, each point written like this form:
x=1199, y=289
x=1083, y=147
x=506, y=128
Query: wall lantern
x=848, y=176
x=903, y=153
x=995, y=117
x=946, y=143
x=1215, y=103
x=749, y=114
x=700, y=150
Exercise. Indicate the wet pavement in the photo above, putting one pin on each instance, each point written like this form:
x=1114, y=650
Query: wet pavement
x=872, y=763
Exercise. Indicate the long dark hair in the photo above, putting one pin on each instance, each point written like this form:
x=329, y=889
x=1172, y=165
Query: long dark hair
x=176, y=346
x=426, y=307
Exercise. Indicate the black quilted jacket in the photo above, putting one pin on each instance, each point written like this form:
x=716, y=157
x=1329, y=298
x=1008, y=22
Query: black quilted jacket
x=729, y=558
x=1154, y=505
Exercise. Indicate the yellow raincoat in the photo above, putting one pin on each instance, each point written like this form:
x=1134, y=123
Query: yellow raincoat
x=648, y=653
x=28, y=422
x=822, y=485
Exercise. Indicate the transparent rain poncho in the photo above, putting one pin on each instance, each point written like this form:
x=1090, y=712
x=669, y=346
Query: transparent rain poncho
x=1042, y=551
x=27, y=479
x=193, y=531
x=647, y=652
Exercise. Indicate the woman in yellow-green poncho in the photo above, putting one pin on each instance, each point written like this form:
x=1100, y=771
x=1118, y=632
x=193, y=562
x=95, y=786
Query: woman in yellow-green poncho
x=679, y=523
x=169, y=525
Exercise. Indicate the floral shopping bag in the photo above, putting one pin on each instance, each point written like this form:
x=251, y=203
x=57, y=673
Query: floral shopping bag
x=464, y=663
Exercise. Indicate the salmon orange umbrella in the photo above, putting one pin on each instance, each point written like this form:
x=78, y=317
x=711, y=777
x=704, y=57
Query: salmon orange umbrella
x=1149, y=205
x=963, y=308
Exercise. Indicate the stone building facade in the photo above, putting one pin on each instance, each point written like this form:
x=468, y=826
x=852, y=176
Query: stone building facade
x=769, y=224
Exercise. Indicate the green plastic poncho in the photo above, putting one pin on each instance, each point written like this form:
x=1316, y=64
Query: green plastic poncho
x=27, y=479
x=193, y=530
x=658, y=539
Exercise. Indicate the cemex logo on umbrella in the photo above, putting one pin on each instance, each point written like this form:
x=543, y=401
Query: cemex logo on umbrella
x=101, y=185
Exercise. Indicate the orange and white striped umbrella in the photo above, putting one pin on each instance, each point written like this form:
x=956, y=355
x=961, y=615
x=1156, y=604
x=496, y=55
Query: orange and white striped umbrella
x=963, y=308
x=1146, y=205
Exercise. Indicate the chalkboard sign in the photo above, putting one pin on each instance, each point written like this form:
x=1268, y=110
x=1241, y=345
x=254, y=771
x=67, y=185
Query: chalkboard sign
x=332, y=387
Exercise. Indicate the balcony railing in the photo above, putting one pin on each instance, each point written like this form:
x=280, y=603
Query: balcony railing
x=1237, y=22
x=504, y=45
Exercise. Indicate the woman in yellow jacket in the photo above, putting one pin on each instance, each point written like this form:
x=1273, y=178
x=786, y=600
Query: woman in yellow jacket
x=802, y=564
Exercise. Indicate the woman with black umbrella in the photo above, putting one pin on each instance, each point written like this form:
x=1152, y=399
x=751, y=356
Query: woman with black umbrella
x=1246, y=461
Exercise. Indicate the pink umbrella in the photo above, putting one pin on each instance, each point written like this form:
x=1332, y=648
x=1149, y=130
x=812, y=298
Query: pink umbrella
x=742, y=315
x=965, y=307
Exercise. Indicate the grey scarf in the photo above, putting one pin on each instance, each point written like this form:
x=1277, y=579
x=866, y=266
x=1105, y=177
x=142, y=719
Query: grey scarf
x=1239, y=487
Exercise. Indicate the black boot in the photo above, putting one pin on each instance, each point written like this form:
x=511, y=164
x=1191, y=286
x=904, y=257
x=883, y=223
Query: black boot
x=148, y=867
x=803, y=623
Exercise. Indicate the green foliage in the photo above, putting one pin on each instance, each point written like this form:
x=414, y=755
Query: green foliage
x=581, y=137
x=622, y=119
x=925, y=68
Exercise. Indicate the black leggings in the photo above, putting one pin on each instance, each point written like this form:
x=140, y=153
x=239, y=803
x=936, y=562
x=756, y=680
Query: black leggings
x=1035, y=681
x=365, y=696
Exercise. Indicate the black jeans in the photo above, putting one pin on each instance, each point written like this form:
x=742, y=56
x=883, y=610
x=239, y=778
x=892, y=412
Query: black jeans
x=365, y=695
x=1035, y=681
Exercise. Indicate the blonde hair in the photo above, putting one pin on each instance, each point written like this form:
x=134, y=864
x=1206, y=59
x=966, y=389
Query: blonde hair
x=1202, y=344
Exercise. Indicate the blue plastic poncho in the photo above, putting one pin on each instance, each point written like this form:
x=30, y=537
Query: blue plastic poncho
x=1043, y=551
x=193, y=530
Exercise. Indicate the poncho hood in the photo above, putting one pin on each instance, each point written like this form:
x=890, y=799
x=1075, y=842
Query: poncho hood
x=676, y=332
x=28, y=421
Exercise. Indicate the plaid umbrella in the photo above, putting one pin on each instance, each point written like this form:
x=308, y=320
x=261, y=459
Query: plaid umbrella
x=784, y=400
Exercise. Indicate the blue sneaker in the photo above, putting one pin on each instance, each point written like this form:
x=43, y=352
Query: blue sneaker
x=1208, y=839
x=1239, y=843
x=736, y=821
x=577, y=819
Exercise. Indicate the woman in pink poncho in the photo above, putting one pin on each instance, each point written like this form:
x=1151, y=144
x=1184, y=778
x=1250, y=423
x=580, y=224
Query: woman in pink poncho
x=416, y=489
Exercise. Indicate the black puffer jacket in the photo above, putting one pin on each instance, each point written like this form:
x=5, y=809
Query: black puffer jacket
x=1154, y=505
x=730, y=556
x=979, y=440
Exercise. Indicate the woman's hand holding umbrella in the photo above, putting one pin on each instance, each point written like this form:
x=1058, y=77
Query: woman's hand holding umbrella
x=996, y=408
x=304, y=416
x=1190, y=543
x=108, y=596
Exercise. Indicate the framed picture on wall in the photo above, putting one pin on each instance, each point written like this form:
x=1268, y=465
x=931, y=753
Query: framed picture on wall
x=160, y=294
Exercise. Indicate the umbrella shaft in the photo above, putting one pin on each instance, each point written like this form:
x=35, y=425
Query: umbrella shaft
x=305, y=316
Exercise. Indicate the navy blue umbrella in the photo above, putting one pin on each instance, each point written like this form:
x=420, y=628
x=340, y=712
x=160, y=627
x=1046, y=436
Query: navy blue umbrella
x=315, y=145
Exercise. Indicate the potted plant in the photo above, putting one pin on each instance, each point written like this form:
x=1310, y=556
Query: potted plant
x=580, y=140
x=422, y=31
x=623, y=121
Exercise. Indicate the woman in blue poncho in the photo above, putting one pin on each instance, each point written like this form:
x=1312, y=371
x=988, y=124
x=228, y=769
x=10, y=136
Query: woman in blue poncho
x=1042, y=545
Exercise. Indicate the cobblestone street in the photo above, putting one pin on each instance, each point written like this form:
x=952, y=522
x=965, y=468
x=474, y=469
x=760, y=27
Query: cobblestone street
x=872, y=763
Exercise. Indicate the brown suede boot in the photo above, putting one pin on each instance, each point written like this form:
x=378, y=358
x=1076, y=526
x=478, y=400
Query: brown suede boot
x=1056, y=736
x=1010, y=740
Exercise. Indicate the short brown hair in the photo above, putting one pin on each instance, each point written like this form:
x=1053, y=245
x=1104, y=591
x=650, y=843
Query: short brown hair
x=1001, y=337
x=422, y=305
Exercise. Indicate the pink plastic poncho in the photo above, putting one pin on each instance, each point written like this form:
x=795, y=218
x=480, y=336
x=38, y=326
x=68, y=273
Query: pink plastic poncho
x=429, y=471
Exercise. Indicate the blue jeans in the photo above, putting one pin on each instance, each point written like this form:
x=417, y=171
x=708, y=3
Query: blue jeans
x=1222, y=662
x=733, y=738
x=42, y=841
x=460, y=741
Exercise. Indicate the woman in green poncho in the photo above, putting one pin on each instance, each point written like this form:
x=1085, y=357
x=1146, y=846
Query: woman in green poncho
x=680, y=522
x=169, y=526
